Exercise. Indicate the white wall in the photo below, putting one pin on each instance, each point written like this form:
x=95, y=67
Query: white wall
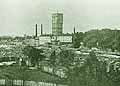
x=44, y=39
x=64, y=38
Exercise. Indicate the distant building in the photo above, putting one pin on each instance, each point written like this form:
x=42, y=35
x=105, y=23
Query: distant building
x=63, y=39
x=44, y=39
x=57, y=36
x=57, y=23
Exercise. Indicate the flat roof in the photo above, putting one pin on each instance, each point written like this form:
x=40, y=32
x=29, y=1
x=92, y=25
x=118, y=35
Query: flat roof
x=56, y=35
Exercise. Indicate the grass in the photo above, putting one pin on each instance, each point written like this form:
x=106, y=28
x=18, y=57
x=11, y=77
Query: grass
x=23, y=73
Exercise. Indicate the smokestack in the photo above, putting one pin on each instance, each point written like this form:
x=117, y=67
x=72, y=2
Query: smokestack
x=41, y=29
x=74, y=30
x=36, y=30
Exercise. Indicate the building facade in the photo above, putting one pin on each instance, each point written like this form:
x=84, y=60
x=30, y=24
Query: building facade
x=57, y=23
x=55, y=38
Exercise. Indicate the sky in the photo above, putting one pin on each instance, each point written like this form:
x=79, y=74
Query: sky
x=18, y=17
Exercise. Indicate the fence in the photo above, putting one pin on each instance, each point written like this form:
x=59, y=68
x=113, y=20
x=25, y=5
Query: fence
x=5, y=82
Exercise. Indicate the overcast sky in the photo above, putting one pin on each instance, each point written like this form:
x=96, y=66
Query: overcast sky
x=18, y=17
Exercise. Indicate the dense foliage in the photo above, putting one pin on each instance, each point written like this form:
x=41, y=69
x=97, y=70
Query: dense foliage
x=93, y=73
x=33, y=54
x=102, y=39
x=77, y=38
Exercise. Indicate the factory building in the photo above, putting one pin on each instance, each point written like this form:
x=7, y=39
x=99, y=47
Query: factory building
x=61, y=39
x=57, y=35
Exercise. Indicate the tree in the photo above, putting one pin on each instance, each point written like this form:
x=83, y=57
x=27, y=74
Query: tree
x=103, y=39
x=66, y=58
x=53, y=60
x=77, y=38
x=116, y=42
x=91, y=73
x=34, y=54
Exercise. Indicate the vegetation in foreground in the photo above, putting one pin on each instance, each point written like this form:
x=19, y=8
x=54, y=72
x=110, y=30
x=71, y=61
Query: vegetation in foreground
x=23, y=73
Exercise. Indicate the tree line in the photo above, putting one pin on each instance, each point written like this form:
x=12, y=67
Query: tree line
x=102, y=39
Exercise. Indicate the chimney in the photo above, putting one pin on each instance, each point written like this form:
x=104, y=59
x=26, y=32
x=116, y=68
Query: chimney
x=74, y=30
x=36, y=30
x=41, y=29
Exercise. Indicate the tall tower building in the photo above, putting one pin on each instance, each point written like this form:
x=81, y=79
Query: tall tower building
x=57, y=23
